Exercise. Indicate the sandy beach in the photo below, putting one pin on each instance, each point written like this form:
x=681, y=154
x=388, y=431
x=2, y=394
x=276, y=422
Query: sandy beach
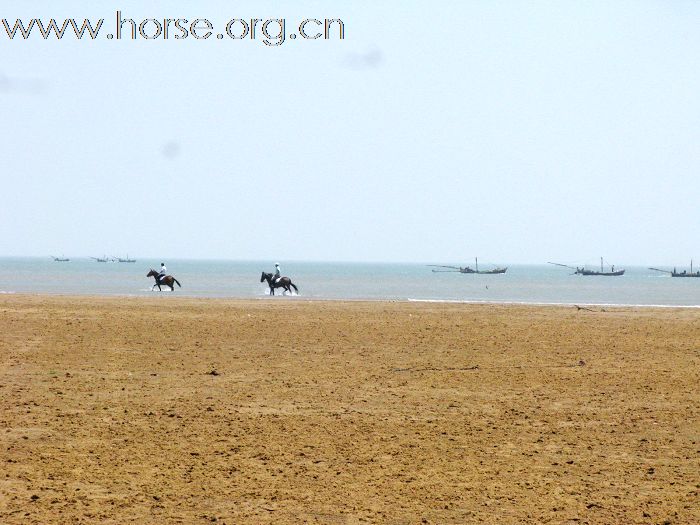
x=171, y=410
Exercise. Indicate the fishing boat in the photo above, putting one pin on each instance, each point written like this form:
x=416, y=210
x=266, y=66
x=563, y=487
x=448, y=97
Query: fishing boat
x=102, y=259
x=467, y=269
x=583, y=271
x=60, y=259
x=684, y=273
x=127, y=260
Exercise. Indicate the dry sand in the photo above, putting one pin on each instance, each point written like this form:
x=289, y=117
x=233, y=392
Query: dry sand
x=167, y=410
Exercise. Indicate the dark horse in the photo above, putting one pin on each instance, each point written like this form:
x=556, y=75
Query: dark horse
x=168, y=280
x=283, y=282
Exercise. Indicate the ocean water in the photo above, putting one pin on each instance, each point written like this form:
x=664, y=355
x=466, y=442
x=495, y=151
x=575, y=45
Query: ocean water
x=531, y=284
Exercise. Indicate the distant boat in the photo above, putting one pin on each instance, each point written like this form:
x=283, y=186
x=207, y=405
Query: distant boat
x=467, y=269
x=127, y=260
x=684, y=273
x=102, y=259
x=60, y=259
x=583, y=271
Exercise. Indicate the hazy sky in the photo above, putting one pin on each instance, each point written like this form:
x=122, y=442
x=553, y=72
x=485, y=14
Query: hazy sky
x=436, y=131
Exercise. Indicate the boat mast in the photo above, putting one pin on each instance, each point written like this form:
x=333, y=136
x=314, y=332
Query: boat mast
x=601, y=265
x=476, y=263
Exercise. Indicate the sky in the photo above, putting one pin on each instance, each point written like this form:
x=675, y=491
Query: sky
x=433, y=132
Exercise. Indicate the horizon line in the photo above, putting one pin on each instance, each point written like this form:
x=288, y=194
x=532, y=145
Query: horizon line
x=335, y=261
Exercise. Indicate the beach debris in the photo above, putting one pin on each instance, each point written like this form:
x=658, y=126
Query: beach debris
x=213, y=372
x=579, y=308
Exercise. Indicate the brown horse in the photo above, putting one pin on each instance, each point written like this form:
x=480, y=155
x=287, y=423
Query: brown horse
x=282, y=282
x=168, y=280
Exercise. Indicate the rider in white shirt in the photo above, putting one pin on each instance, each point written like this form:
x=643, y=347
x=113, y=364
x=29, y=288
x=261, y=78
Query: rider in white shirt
x=163, y=271
x=277, y=275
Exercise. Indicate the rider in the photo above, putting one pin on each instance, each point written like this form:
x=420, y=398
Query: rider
x=277, y=275
x=162, y=273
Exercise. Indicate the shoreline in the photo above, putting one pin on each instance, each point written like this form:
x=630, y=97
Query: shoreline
x=409, y=300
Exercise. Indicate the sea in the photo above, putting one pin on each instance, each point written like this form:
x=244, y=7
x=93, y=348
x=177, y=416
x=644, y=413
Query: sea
x=521, y=284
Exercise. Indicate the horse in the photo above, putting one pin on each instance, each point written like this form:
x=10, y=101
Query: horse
x=168, y=280
x=282, y=282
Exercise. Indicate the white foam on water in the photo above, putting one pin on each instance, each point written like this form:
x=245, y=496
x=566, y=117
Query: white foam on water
x=535, y=303
x=278, y=292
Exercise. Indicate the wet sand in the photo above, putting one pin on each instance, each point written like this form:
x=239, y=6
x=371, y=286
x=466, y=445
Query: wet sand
x=169, y=410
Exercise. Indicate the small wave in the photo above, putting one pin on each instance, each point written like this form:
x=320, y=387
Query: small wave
x=536, y=303
x=266, y=292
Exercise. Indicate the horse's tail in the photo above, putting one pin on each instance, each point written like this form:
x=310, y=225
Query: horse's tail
x=294, y=286
x=178, y=282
